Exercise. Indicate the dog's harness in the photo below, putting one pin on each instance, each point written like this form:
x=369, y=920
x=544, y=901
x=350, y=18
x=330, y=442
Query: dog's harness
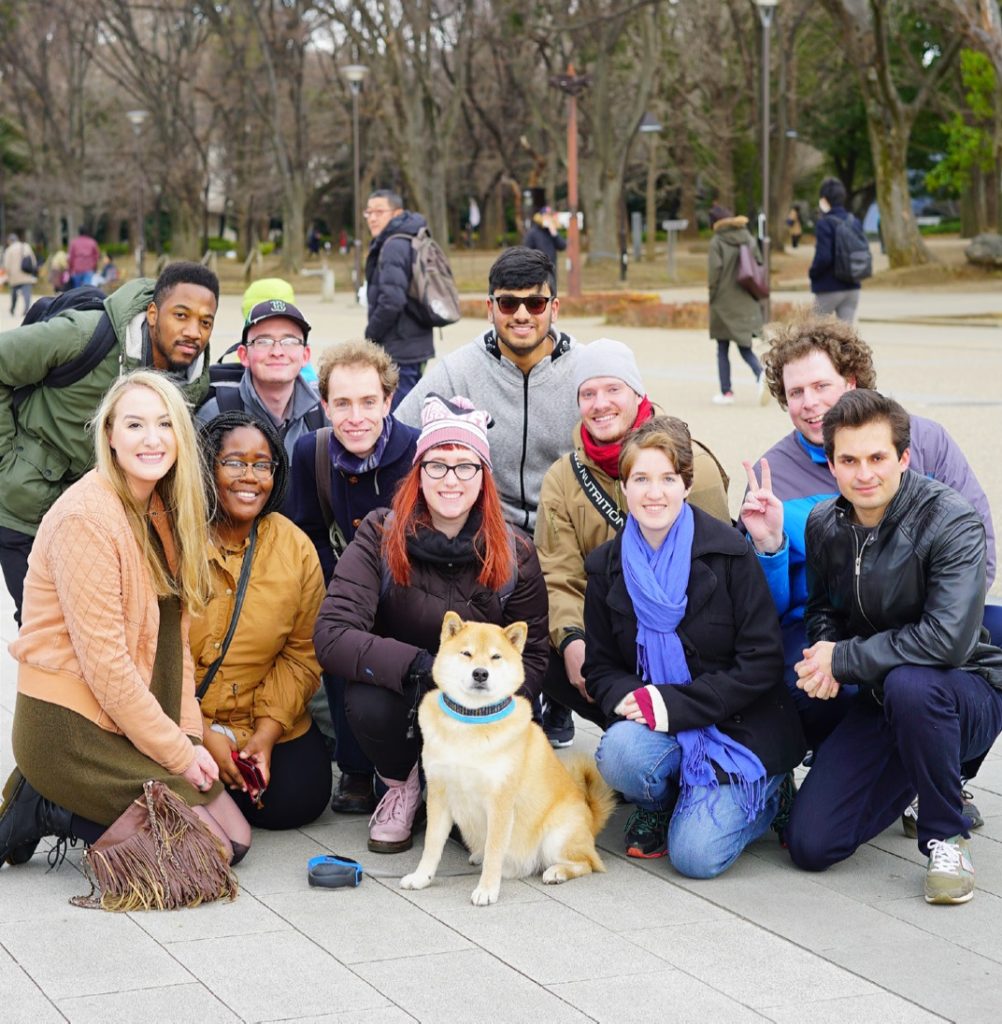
x=476, y=716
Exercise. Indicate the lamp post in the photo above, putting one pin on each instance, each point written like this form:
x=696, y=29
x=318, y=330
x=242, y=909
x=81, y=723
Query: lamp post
x=356, y=73
x=573, y=85
x=766, y=9
x=651, y=127
x=137, y=118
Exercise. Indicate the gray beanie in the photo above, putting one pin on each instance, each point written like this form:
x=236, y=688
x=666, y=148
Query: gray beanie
x=608, y=358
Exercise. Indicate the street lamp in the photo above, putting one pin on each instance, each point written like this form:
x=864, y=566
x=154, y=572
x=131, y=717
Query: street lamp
x=651, y=127
x=137, y=118
x=356, y=73
x=766, y=9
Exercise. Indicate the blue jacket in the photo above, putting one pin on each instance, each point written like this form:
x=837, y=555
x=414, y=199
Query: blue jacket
x=393, y=318
x=353, y=496
x=822, y=272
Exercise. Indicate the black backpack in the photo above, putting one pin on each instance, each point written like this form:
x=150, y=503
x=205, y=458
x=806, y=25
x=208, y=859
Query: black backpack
x=853, y=260
x=101, y=342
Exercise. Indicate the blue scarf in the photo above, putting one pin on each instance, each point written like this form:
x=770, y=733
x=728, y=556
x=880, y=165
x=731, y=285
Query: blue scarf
x=345, y=461
x=657, y=582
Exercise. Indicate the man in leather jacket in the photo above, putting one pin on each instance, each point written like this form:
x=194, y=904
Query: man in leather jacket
x=896, y=587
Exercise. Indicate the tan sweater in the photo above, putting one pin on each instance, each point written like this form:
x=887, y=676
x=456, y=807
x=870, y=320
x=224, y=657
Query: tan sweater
x=90, y=622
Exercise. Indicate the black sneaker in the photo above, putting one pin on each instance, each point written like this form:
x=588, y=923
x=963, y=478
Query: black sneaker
x=647, y=834
x=558, y=724
x=787, y=791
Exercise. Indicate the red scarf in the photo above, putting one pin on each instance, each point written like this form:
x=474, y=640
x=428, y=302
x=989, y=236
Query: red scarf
x=606, y=456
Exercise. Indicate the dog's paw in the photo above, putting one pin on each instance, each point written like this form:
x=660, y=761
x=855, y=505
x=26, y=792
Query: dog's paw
x=484, y=896
x=415, y=880
x=555, y=874
x=477, y=858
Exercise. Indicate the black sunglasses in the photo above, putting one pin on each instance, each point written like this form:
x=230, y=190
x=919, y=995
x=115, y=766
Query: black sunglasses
x=534, y=304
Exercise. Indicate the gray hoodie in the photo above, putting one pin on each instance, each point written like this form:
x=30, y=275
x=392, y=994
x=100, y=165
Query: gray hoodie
x=534, y=414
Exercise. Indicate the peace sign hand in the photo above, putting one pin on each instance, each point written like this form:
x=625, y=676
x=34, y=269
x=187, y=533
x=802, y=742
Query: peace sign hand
x=762, y=511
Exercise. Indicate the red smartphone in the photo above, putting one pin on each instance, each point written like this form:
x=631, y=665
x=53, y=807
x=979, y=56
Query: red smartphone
x=251, y=775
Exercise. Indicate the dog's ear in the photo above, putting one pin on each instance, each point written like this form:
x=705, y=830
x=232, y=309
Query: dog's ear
x=517, y=633
x=451, y=625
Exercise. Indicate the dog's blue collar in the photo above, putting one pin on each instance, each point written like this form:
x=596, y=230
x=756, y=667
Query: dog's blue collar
x=476, y=716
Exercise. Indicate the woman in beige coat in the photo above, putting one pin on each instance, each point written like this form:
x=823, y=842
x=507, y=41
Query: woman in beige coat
x=18, y=279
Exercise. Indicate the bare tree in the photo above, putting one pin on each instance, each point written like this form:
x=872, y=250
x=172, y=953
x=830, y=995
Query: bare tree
x=888, y=71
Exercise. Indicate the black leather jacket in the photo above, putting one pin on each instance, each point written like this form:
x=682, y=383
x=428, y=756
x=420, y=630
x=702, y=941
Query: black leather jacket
x=910, y=592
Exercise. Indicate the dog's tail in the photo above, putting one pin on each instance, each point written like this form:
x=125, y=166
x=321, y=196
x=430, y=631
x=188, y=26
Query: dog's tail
x=599, y=797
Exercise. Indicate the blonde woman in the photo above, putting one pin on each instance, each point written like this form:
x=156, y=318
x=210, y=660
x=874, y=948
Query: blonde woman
x=106, y=696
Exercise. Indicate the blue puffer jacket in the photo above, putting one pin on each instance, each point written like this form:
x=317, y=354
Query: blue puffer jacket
x=394, y=319
x=822, y=272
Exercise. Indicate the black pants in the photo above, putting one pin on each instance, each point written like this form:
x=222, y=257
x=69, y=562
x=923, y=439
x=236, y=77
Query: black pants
x=14, y=550
x=724, y=363
x=349, y=755
x=299, y=788
x=557, y=687
x=379, y=719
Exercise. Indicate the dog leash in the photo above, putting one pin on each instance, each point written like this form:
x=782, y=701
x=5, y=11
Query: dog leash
x=332, y=871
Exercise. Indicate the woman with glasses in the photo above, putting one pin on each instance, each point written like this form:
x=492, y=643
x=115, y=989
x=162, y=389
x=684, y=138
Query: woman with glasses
x=254, y=689
x=444, y=546
x=106, y=694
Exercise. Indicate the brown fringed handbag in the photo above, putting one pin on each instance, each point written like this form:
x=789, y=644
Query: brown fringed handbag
x=158, y=855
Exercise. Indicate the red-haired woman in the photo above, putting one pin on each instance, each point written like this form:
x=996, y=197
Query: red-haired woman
x=444, y=546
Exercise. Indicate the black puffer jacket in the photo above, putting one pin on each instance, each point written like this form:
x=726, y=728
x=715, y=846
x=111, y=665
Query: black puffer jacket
x=394, y=318
x=730, y=635
x=911, y=593
x=367, y=636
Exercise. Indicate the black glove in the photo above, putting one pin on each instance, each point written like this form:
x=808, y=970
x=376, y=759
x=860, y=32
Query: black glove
x=419, y=671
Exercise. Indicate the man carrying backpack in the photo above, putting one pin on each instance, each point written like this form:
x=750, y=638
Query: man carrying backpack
x=54, y=372
x=396, y=321
x=841, y=255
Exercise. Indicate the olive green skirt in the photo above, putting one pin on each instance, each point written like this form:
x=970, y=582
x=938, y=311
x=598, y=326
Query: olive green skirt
x=88, y=770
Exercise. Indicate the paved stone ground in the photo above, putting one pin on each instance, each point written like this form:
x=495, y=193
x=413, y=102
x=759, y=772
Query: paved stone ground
x=763, y=943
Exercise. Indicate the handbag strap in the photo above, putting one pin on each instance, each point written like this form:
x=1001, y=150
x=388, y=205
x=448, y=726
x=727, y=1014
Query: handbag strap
x=245, y=572
x=605, y=506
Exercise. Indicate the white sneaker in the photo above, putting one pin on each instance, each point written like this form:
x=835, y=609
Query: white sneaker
x=949, y=878
x=723, y=398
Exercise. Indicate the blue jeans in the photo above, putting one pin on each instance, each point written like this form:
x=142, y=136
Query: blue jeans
x=410, y=374
x=24, y=290
x=879, y=756
x=644, y=766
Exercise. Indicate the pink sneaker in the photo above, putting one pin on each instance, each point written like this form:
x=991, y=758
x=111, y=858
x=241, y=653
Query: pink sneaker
x=393, y=820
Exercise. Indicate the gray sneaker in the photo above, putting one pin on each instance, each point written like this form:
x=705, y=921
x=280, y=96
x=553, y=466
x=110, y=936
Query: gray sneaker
x=909, y=818
x=949, y=878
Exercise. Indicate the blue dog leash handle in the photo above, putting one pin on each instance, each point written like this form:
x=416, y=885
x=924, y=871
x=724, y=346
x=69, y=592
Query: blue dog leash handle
x=332, y=871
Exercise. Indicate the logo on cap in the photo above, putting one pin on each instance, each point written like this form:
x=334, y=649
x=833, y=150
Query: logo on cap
x=277, y=306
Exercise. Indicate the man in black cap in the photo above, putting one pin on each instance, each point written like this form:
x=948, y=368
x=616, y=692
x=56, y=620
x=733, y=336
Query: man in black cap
x=273, y=350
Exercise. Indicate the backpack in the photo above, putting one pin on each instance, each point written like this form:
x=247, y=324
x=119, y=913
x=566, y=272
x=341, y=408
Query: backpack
x=432, y=287
x=101, y=342
x=28, y=264
x=853, y=260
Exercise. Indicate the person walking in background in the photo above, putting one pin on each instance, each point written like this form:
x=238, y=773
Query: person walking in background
x=543, y=235
x=831, y=294
x=388, y=267
x=735, y=314
x=16, y=257
x=83, y=259
x=794, y=226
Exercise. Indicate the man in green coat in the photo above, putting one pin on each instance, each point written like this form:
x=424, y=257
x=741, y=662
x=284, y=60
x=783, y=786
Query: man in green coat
x=44, y=442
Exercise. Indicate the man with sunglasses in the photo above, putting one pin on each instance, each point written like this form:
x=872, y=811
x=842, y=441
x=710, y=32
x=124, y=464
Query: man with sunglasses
x=273, y=349
x=393, y=322
x=521, y=370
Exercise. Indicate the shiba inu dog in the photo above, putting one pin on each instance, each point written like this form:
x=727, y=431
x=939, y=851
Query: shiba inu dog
x=492, y=771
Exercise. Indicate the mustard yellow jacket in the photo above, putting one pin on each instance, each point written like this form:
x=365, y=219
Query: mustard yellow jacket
x=270, y=669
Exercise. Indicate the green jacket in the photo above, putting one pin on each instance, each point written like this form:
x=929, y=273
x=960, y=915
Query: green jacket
x=45, y=445
x=734, y=314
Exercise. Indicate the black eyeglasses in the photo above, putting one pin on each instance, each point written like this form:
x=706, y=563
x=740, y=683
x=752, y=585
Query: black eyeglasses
x=535, y=305
x=463, y=471
x=236, y=468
